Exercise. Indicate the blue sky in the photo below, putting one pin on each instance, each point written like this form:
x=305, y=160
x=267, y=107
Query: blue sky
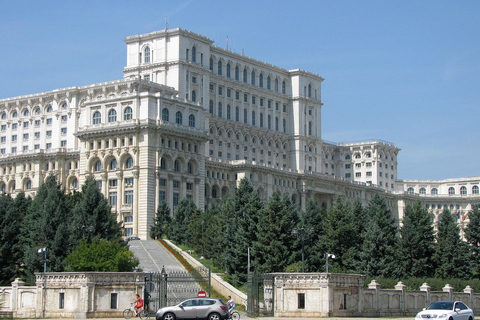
x=407, y=72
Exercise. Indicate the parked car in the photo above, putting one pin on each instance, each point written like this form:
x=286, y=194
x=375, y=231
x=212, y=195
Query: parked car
x=448, y=310
x=195, y=308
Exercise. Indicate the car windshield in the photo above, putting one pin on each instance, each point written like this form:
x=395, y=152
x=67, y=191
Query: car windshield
x=441, y=305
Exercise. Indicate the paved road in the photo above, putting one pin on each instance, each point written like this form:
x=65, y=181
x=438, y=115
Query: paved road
x=153, y=256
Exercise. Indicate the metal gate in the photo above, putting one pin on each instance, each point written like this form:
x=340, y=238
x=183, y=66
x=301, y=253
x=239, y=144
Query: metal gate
x=170, y=288
x=260, y=295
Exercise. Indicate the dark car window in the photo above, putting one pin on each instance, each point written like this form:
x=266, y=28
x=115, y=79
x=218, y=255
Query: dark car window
x=189, y=303
x=441, y=305
x=206, y=302
x=461, y=306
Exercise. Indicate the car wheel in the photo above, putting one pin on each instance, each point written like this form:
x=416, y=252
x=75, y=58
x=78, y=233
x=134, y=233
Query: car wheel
x=214, y=316
x=168, y=316
x=470, y=318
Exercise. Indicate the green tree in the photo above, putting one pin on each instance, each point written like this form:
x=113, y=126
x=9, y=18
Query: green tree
x=452, y=254
x=272, y=250
x=416, y=243
x=10, y=255
x=46, y=226
x=311, y=223
x=161, y=224
x=92, y=217
x=243, y=233
x=102, y=256
x=377, y=256
x=472, y=234
x=181, y=217
x=340, y=235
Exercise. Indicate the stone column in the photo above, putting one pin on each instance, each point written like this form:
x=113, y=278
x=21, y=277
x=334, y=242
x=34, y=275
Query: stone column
x=426, y=288
x=448, y=288
x=401, y=287
x=375, y=286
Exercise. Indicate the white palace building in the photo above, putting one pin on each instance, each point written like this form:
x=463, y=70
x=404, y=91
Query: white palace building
x=190, y=120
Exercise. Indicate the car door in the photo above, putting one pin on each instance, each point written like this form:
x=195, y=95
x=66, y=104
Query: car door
x=188, y=310
x=205, y=307
x=461, y=310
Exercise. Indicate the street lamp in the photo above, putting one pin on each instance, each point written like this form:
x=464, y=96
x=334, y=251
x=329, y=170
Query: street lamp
x=44, y=250
x=327, y=256
x=302, y=232
x=203, y=243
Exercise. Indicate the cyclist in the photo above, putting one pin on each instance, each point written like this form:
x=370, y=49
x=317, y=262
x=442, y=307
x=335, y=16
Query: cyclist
x=231, y=305
x=139, y=304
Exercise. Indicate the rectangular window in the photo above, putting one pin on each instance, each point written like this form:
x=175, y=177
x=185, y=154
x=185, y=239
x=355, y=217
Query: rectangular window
x=61, y=300
x=162, y=182
x=220, y=90
x=129, y=197
x=3, y=151
x=113, y=300
x=229, y=93
x=176, y=197
x=36, y=147
x=176, y=184
x=14, y=126
x=301, y=301
x=128, y=232
x=25, y=124
x=358, y=165
x=63, y=130
x=245, y=97
x=49, y=121
x=347, y=166
x=237, y=95
x=128, y=218
x=49, y=133
x=14, y=138
x=4, y=127
x=3, y=139
x=358, y=174
x=48, y=146
x=37, y=135
x=189, y=186
x=113, y=183
x=347, y=175
x=161, y=196
x=369, y=173
x=63, y=143
x=64, y=118
x=128, y=182
x=25, y=148
x=37, y=123
x=112, y=198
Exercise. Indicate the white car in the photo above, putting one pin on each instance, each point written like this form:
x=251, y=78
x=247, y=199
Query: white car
x=446, y=310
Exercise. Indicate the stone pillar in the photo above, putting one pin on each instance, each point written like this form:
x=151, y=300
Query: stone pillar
x=469, y=290
x=375, y=286
x=426, y=288
x=14, y=295
x=401, y=287
x=448, y=288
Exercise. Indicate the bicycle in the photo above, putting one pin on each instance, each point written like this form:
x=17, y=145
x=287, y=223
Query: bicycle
x=130, y=312
x=234, y=315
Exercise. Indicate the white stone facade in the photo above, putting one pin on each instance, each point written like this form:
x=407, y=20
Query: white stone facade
x=189, y=120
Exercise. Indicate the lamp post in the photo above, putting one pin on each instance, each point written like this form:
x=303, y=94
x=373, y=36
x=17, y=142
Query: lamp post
x=302, y=232
x=327, y=256
x=203, y=243
x=44, y=250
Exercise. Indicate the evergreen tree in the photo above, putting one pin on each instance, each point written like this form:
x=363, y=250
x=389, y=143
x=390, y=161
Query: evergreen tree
x=180, y=221
x=92, y=218
x=214, y=233
x=377, y=256
x=101, y=255
x=9, y=230
x=452, y=254
x=340, y=235
x=472, y=234
x=416, y=243
x=311, y=221
x=46, y=226
x=272, y=250
x=246, y=209
x=161, y=224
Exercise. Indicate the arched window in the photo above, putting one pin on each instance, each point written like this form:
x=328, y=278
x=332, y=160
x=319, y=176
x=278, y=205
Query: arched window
x=253, y=78
x=423, y=191
x=276, y=85
x=191, y=121
x=245, y=116
x=348, y=157
x=112, y=115
x=237, y=73
x=269, y=122
x=129, y=163
x=228, y=70
x=14, y=114
x=128, y=113
x=189, y=168
x=97, y=117
x=219, y=67
x=237, y=114
x=358, y=155
x=410, y=191
x=64, y=105
x=260, y=80
x=147, y=55
x=229, y=112
x=245, y=75
x=178, y=118
x=37, y=110
x=113, y=164
x=310, y=128
x=309, y=90
x=451, y=191
x=4, y=116
x=163, y=164
x=269, y=86
x=253, y=118
x=194, y=96
x=220, y=110
x=463, y=190
x=28, y=185
x=475, y=190
x=261, y=120
x=284, y=87
x=49, y=109
x=98, y=166
x=194, y=54
x=25, y=112
x=176, y=166
x=284, y=126
x=211, y=107
x=165, y=114
x=211, y=63
x=434, y=191
x=74, y=183
x=276, y=123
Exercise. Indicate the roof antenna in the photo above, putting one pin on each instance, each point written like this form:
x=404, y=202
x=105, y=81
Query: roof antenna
x=166, y=24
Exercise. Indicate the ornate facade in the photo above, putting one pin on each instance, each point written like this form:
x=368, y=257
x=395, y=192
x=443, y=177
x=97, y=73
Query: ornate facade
x=190, y=120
